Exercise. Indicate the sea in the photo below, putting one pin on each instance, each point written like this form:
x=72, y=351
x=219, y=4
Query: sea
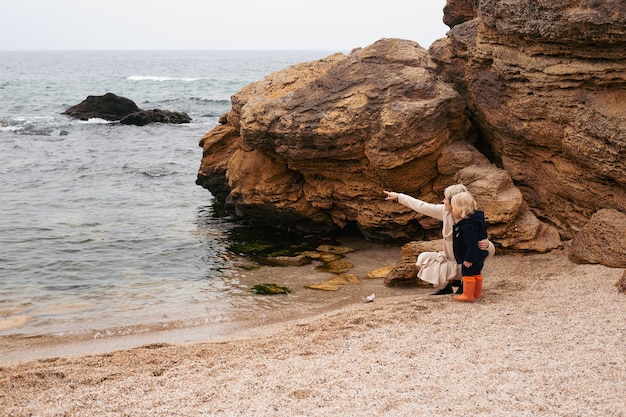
x=101, y=224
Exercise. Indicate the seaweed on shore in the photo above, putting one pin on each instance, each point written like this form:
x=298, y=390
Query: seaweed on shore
x=270, y=289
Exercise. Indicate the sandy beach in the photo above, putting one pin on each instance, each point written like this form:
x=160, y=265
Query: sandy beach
x=548, y=339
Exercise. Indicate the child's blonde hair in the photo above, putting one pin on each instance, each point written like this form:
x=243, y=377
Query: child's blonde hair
x=464, y=202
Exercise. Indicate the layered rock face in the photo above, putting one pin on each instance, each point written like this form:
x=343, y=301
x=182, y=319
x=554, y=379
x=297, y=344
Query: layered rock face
x=313, y=146
x=523, y=102
x=545, y=82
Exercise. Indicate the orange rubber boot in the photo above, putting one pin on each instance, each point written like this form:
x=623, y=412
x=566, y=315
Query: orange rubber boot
x=478, y=289
x=469, y=285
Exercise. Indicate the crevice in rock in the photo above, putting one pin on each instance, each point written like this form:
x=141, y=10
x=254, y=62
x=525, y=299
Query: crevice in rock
x=481, y=143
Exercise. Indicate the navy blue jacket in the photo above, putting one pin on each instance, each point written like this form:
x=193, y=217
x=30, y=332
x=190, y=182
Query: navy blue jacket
x=467, y=233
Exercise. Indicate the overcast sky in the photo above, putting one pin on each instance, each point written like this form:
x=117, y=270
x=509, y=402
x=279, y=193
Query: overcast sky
x=328, y=25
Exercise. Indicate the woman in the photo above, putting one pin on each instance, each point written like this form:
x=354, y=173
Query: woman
x=439, y=268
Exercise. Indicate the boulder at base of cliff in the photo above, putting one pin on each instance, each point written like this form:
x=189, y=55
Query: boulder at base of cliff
x=602, y=240
x=312, y=146
x=510, y=222
x=404, y=273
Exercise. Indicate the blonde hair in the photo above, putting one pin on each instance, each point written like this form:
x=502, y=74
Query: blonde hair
x=464, y=202
x=453, y=190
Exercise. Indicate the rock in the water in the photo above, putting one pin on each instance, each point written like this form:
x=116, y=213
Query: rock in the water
x=115, y=108
x=144, y=117
x=108, y=107
x=270, y=289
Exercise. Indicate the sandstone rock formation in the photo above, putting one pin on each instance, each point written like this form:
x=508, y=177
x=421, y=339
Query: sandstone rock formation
x=545, y=82
x=522, y=102
x=313, y=146
x=404, y=272
x=113, y=108
x=602, y=240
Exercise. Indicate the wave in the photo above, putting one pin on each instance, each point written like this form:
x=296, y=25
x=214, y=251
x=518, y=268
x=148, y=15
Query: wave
x=39, y=126
x=95, y=121
x=225, y=102
x=157, y=78
x=44, y=126
x=9, y=128
x=193, y=99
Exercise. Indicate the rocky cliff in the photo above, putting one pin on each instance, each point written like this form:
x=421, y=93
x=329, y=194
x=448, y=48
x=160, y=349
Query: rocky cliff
x=545, y=82
x=523, y=102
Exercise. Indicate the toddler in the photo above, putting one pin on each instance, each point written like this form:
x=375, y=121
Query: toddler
x=469, y=229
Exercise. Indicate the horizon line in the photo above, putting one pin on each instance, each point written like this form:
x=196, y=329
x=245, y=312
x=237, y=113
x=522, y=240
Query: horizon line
x=177, y=50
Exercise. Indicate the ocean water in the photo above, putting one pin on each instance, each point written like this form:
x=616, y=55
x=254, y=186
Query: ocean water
x=101, y=224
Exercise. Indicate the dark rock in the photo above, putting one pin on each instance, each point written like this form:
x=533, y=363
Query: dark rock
x=108, y=107
x=113, y=108
x=270, y=289
x=144, y=117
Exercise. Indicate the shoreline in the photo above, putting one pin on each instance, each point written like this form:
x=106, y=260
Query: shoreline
x=247, y=318
x=547, y=339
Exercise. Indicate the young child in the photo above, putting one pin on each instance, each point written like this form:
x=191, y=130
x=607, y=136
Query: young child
x=469, y=229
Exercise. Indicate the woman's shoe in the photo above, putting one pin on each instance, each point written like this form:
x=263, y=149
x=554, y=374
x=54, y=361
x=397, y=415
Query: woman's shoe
x=443, y=291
